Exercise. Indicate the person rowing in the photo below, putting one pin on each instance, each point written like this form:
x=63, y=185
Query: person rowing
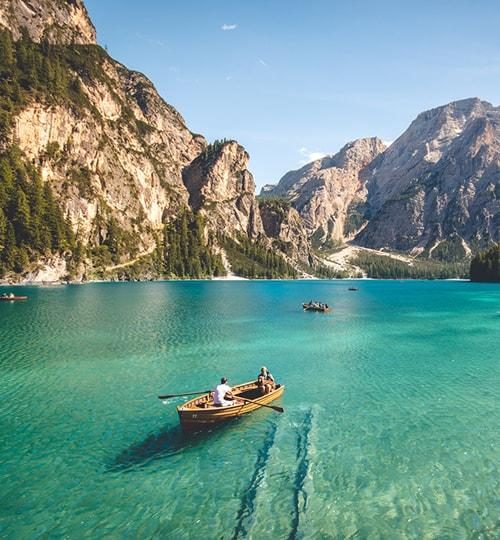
x=223, y=394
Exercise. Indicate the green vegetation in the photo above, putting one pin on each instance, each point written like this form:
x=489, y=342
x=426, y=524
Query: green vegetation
x=380, y=266
x=186, y=254
x=450, y=250
x=325, y=272
x=31, y=222
x=30, y=70
x=355, y=217
x=256, y=260
x=276, y=204
x=81, y=178
x=212, y=149
x=485, y=266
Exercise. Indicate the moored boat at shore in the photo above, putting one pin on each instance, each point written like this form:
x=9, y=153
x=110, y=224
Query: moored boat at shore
x=200, y=412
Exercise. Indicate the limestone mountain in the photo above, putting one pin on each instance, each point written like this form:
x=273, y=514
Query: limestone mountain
x=327, y=192
x=223, y=190
x=436, y=189
x=434, y=192
x=120, y=161
x=56, y=21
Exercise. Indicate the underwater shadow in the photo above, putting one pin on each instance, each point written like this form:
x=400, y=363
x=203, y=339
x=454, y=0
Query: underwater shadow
x=167, y=442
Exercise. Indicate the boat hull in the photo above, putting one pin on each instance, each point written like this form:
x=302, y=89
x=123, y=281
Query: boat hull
x=12, y=298
x=307, y=307
x=200, y=412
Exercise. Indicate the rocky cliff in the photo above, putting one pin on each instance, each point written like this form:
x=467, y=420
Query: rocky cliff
x=223, y=190
x=120, y=160
x=436, y=189
x=284, y=226
x=57, y=21
x=327, y=192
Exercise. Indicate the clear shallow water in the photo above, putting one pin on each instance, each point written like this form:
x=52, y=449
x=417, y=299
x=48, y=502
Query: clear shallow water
x=390, y=427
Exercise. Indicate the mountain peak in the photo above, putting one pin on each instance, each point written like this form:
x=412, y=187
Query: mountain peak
x=58, y=21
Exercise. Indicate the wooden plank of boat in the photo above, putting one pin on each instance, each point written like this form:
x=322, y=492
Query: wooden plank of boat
x=201, y=412
x=8, y=298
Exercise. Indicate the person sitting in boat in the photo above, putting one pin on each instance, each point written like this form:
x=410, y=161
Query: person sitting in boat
x=265, y=381
x=223, y=394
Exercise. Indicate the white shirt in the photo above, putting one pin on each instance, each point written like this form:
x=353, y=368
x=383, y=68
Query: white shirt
x=220, y=391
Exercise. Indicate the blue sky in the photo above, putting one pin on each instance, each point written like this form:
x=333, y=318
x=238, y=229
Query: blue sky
x=292, y=79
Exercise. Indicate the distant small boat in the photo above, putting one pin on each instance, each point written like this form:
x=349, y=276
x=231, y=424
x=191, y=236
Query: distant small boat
x=353, y=289
x=11, y=297
x=201, y=412
x=316, y=306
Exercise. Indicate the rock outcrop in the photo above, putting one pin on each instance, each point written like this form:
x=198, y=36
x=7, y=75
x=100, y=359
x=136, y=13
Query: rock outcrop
x=283, y=224
x=439, y=183
x=223, y=190
x=326, y=192
x=57, y=21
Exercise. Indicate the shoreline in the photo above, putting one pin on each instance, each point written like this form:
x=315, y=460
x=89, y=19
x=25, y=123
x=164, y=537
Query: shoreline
x=217, y=279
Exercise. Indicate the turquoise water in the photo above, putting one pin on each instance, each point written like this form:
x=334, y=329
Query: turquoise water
x=390, y=427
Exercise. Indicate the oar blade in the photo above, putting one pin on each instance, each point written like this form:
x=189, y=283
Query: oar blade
x=276, y=408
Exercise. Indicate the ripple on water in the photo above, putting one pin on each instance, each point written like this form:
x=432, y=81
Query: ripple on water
x=390, y=429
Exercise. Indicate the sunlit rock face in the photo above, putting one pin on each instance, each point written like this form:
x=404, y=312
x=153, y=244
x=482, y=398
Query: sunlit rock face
x=439, y=181
x=325, y=191
x=57, y=21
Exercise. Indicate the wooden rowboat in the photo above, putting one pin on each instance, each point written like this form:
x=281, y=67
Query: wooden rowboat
x=201, y=412
x=12, y=298
x=315, y=306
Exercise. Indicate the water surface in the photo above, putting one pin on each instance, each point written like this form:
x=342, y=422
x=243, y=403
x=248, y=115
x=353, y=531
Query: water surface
x=390, y=427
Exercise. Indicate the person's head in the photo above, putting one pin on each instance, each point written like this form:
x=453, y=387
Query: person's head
x=263, y=369
x=223, y=380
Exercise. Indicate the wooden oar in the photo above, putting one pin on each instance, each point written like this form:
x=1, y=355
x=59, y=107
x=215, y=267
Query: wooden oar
x=275, y=407
x=168, y=396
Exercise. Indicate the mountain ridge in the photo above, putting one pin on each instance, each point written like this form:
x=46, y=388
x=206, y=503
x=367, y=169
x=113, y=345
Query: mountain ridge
x=434, y=191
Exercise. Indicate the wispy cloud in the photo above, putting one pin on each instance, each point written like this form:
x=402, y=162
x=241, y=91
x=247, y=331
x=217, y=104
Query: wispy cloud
x=227, y=27
x=263, y=62
x=229, y=77
x=151, y=41
x=308, y=155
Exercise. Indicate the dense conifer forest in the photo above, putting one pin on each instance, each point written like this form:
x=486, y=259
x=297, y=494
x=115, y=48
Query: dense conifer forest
x=485, y=266
x=382, y=267
x=256, y=260
x=31, y=221
x=186, y=253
